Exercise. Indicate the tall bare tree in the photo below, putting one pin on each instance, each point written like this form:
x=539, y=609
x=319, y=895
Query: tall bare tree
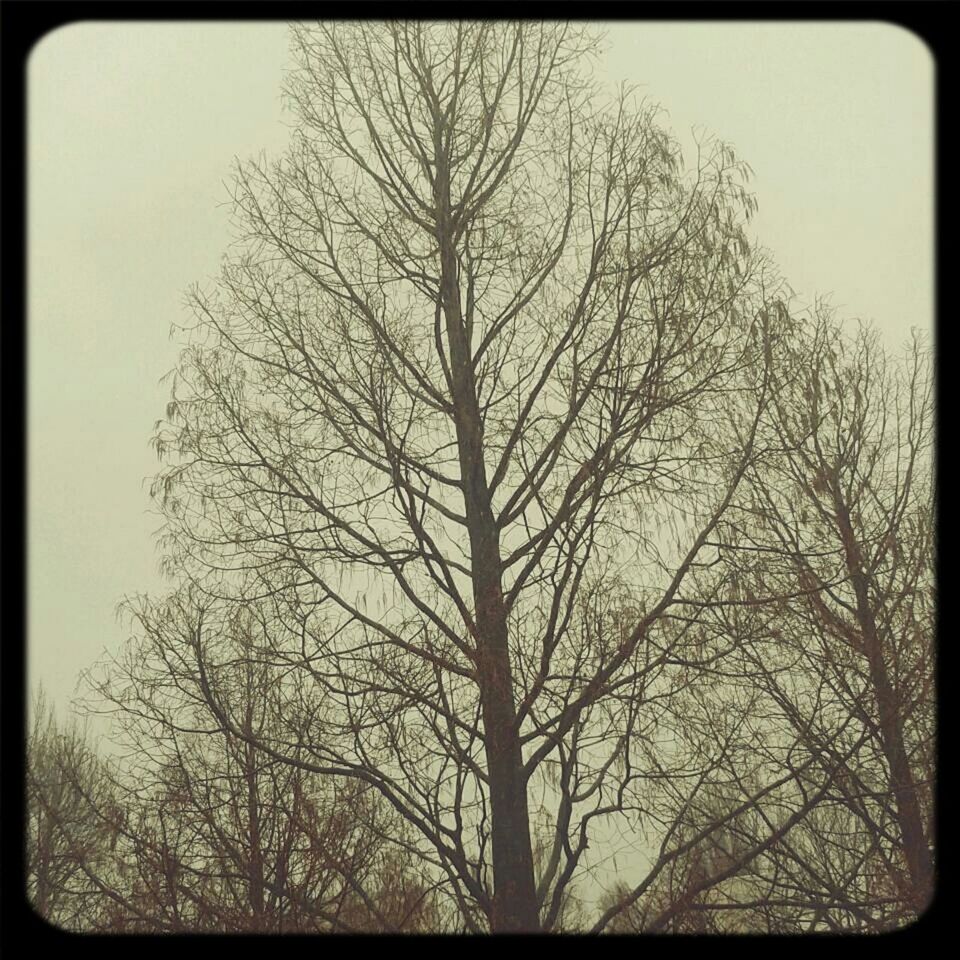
x=468, y=370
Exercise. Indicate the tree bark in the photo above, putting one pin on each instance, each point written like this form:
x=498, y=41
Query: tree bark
x=515, y=906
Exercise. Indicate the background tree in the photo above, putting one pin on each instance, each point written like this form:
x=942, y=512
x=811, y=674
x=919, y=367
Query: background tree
x=826, y=564
x=65, y=835
x=469, y=368
x=860, y=470
x=216, y=834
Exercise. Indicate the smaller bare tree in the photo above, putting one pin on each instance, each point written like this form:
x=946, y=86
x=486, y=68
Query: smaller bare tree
x=220, y=836
x=66, y=787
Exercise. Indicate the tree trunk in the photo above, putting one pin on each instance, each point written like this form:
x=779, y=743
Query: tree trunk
x=515, y=907
x=255, y=872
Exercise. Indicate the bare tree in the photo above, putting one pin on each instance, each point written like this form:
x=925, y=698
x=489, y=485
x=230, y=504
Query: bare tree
x=215, y=834
x=66, y=786
x=828, y=561
x=479, y=359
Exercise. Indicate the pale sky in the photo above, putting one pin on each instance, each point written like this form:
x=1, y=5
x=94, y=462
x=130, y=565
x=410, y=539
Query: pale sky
x=131, y=132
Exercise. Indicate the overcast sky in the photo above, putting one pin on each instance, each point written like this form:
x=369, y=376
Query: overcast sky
x=132, y=127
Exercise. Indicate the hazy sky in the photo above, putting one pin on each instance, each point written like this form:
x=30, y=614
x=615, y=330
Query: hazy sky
x=132, y=127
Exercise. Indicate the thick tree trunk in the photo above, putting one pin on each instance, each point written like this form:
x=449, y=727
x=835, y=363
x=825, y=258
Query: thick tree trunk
x=515, y=907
